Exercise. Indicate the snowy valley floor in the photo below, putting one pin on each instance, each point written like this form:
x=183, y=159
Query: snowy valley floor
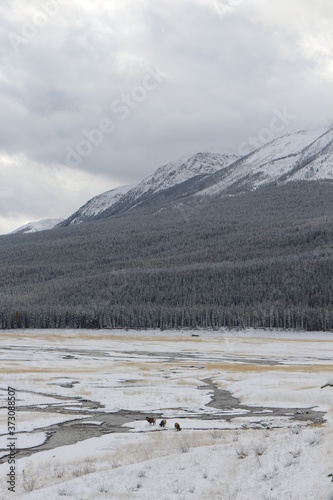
x=255, y=422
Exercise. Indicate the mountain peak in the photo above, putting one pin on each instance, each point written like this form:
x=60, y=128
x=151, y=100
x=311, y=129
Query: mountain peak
x=305, y=154
x=301, y=155
x=179, y=171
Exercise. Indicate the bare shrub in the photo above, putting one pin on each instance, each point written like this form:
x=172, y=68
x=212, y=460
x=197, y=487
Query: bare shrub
x=185, y=445
x=103, y=488
x=59, y=472
x=177, y=488
x=259, y=450
x=115, y=464
x=137, y=487
x=314, y=440
x=29, y=483
x=83, y=470
x=241, y=453
x=216, y=434
x=295, y=452
x=63, y=492
x=270, y=473
x=289, y=462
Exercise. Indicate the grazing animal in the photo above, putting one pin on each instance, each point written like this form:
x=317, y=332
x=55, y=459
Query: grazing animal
x=151, y=420
x=163, y=423
x=177, y=427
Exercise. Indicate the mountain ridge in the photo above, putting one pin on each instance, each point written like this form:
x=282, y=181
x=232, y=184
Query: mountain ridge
x=305, y=154
x=96, y=205
x=300, y=155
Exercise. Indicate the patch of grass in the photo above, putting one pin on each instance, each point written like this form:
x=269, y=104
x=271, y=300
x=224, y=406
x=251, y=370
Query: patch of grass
x=63, y=492
x=216, y=434
x=259, y=450
x=295, y=453
x=29, y=484
x=103, y=488
x=59, y=473
x=83, y=470
x=242, y=453
x=270, y=474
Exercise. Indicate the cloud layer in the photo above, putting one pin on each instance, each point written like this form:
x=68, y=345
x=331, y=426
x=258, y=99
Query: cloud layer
x=105, y=92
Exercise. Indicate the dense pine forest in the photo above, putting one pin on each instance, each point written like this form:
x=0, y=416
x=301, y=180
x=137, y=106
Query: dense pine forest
x=260, y=259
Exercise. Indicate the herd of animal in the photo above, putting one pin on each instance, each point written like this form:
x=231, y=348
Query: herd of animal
x=152, y=421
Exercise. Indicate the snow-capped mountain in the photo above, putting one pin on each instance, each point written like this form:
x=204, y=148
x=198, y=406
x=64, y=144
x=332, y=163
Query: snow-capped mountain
x=35, y=227
x=301, y=155
x=96, y=205
x=180, y=171
x=173, y=175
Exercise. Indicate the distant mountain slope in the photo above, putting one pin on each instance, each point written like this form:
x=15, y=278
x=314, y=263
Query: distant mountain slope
x=263, y=259
x=176, y=174
x=170, y=175
x=96, y=205
x=301, y=155
x=316, y=162
x=35, y=227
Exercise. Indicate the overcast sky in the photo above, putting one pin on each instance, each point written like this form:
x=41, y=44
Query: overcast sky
x=95, y=94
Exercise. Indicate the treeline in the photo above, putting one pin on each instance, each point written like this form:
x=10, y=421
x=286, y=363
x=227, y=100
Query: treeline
x=263, y=259
x=310, y=319
x=289, y=294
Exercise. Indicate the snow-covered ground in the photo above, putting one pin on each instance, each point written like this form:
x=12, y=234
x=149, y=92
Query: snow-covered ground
x=221, y=452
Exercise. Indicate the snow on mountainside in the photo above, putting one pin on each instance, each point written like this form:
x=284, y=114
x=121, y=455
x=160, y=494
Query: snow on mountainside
x=317, y=160
x=96, y=205
x=167, y=176
x=34, y=227
x=300, y=155
x=176, y=172
x=305, y=154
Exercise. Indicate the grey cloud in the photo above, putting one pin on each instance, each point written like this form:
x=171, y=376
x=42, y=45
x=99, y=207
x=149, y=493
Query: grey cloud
x=223, y=76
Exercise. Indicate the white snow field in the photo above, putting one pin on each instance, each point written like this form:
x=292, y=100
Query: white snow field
x=255, y=422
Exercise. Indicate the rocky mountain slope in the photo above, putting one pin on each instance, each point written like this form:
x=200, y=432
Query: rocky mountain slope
x=300, y=155
x=96, y=205
x=167, y=176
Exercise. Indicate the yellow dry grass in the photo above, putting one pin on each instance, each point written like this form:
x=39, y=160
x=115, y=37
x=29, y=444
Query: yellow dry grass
x=252, y=367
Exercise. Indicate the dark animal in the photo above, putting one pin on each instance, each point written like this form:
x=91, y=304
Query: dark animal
x=177, y=427
x=151, y=420
x=163, y=423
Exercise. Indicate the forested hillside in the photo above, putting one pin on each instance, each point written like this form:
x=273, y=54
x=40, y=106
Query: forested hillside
x=263, y=259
